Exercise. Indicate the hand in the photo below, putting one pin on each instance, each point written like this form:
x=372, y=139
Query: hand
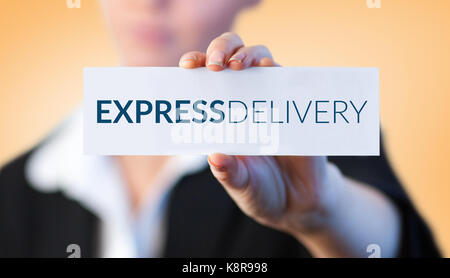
x=307, y=197
x=286, y=193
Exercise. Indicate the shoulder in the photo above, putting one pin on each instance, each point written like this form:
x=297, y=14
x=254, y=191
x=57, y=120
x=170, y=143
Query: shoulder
x=35, y=223
x=12, y=175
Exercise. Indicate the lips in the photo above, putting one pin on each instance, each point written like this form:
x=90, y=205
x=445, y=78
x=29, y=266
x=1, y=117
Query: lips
x=151, y=35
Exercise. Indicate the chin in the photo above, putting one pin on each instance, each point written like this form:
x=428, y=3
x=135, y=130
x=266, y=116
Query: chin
x=149, y=60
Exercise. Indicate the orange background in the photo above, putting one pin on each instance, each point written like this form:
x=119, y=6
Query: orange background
x=44, y=47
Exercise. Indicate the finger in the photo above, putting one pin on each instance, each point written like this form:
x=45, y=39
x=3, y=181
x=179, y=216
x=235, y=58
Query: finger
x=267, y=62
x=221, y=49
x=252, y=56
x=230, y=171
x=193, y=59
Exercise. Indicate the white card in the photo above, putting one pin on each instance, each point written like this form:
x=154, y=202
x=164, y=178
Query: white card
x=257, y=111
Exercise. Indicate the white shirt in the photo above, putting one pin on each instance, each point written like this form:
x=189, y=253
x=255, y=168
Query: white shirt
x=95, y=182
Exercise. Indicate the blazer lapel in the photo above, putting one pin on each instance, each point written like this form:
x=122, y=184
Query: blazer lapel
x=199, y=211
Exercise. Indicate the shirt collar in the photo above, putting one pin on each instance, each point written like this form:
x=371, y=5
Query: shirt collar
x=94, y=181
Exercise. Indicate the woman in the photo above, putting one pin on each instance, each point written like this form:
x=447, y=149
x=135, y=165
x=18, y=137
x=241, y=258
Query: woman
x=53, y=196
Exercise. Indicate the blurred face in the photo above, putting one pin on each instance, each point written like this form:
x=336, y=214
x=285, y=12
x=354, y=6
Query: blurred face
x=158, y=32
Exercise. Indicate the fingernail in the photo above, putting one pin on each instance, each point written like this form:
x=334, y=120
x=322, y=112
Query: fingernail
x=237, y=57
x=217, y=165
x=216, y=58
x=188, y=61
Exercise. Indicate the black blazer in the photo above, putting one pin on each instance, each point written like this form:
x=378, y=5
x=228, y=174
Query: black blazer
x=202, y=219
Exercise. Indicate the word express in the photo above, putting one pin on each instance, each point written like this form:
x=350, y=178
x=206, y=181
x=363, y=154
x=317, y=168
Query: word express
x=258, y=111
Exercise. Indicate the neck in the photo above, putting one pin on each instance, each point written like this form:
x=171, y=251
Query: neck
x=139, y=173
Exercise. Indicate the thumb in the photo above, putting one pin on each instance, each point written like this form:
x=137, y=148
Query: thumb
x=230, y=171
